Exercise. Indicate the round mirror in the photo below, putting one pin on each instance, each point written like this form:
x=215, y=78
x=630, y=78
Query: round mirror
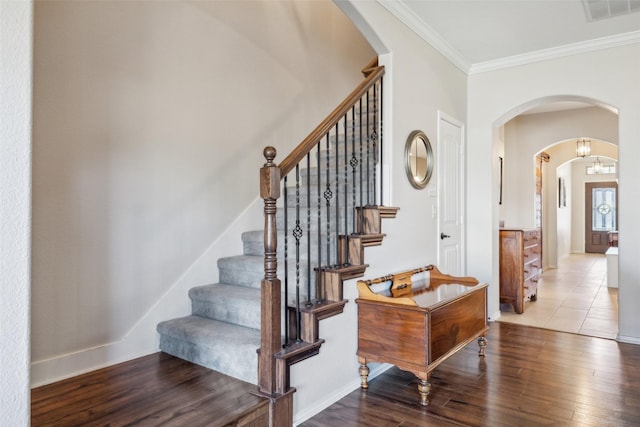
x=418, y=157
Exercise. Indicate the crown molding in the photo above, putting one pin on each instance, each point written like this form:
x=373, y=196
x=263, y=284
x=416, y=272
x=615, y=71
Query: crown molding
x=557, y=52
x=418, y=26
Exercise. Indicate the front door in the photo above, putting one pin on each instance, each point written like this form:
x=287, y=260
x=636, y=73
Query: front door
x=451, y=182
x=601, y=215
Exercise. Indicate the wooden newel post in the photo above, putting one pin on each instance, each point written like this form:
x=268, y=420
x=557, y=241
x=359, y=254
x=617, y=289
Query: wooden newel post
x=271, y=306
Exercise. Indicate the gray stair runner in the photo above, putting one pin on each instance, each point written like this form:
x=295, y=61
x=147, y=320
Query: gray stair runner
x=223, y=331
x=225, y=347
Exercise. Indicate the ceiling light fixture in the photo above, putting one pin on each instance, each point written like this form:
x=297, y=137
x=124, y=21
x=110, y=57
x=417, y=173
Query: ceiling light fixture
x=597, y=166
x=583, y=148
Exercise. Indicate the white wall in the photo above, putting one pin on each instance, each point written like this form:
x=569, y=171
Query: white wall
x=561, y=245
x=15, y=210
x=421, y=82
x=149, y=123
x=496, y=97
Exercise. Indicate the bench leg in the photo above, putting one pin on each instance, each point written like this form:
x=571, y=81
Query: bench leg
x=364, y=373
x=424, y=387
x=482, y=342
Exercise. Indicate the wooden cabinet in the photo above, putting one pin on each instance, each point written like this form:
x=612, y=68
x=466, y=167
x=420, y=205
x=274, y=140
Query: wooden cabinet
x=520, y=266
x=417, y=325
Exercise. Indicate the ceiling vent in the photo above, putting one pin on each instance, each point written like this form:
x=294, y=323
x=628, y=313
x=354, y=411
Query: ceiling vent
x=603, y=9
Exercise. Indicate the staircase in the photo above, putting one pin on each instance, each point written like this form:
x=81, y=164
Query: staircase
x=223, y=330
x=328, y=214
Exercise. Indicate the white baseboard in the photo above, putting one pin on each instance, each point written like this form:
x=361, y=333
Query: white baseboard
x=70, y=365
x=309, y=412
x=628, y=340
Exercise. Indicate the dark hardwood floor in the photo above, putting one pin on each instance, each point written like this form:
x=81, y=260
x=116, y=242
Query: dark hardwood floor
x=529, y=377
x=150, y=391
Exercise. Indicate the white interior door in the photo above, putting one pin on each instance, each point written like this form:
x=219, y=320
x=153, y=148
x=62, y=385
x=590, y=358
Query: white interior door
x=451, y=190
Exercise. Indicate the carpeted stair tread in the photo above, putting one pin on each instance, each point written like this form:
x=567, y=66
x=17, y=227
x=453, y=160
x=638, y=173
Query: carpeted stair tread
x=224, y=347
x=229, y=303
x=243, y=270
x=253, y=245
x=248, y=270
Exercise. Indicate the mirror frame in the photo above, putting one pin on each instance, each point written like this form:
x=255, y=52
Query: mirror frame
x=416, y=137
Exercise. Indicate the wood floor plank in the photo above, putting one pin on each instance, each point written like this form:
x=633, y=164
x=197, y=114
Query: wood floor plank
x=529, y=377
x=154, y=390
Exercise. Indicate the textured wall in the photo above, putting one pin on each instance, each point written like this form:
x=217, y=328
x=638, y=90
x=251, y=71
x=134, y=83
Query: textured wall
x=15, y=206
x=149, y=123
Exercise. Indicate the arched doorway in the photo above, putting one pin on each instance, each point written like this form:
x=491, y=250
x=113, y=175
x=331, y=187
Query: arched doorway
x=552, y=128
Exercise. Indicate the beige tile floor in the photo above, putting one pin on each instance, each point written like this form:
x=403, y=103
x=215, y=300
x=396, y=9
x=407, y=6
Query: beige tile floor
x=572, y=298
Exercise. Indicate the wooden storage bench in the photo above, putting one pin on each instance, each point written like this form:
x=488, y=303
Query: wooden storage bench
x=418, y=325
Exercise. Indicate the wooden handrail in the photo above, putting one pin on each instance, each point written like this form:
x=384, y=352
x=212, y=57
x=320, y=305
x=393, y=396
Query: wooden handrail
x=310, y=141
x=370, y=67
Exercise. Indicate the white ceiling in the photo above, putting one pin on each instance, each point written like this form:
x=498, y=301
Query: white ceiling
x=481, y=35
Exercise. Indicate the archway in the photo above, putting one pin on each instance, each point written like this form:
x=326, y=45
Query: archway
x=550, y=125
x=563, y=230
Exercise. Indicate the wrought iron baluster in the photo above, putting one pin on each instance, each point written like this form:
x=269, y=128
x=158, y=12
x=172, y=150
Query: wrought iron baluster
x=308, y=230
x=297, y=234
x=354, y=163
x=337, y=151
x=379, y=116
x=346, y=195
x=318, y=275
x=362, y=182
x=328, y=195
x=368, y=141
x=286, y=262
x=377, y=158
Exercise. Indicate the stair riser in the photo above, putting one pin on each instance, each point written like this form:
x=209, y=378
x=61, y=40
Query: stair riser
x=314, y=227
x=333, y=168
x=337, y=198
x=257, y=249
x=313, y=215
x=355, y=119
x=365, y=158
x=245, y=312
x=237, y=361
x=364, y=121
x=253, y=245
x=236, y=275
x=354, y=135
x=313, y=178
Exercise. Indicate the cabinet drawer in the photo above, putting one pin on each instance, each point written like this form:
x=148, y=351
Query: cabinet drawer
x=530, y=254
x=531, y=286
x=530, y=237
x=531, y=270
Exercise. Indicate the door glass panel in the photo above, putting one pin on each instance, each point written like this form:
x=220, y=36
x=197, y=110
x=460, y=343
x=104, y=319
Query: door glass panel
x=603, y=207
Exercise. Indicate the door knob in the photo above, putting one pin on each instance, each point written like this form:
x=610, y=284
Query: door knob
x=444, y=236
